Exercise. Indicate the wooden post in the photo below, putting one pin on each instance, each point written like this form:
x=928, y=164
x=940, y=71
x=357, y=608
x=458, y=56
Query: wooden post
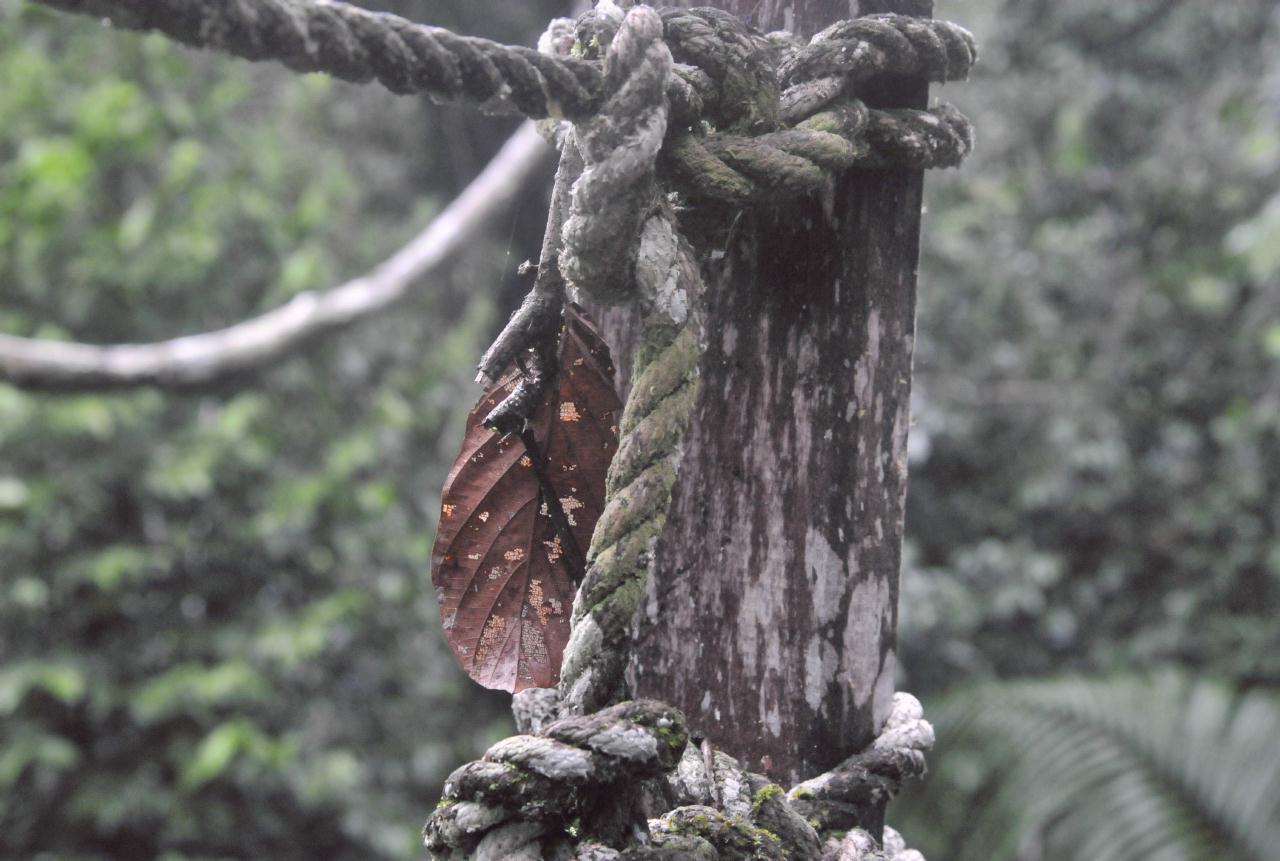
x=771, y=612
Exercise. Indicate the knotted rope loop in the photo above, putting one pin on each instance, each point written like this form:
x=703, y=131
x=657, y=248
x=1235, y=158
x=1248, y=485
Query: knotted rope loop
x=619, y=146
x=848, y=53
x=738, y=138
x=543, y=782
x=738, y=62
x=521, y=798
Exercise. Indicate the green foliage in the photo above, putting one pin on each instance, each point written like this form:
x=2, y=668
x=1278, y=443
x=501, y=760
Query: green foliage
x=1097, y=449
x=217, y=633
x=1162, y=769
x=1096, y=472
x=216, y=637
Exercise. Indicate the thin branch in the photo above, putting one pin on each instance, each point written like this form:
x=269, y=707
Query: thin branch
x=195, y=360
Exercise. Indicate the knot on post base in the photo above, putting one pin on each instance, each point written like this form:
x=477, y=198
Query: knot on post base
x=627, y=783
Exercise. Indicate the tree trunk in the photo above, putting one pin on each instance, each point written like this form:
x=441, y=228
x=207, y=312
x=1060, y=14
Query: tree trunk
x=771, y=612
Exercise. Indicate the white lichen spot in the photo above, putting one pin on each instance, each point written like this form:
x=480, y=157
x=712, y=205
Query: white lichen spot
x=554, y=550
x=525, y=461
x=658, y=269
x=885, y=697
x=514, y=555
x=537, y=600
x=827, y=576
x=491, y=637
x=773, y=721
x=569, y=412
x=632, y=743
x=570, y=504
x=861, y=668
x=447, y=510
x=484, y=516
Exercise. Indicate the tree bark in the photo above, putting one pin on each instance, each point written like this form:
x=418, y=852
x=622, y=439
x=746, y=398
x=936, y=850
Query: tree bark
x=771, y=612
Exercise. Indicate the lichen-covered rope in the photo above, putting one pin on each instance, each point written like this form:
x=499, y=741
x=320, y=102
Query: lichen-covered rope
x=744, y=94
x=849, y=795
x=833, y=131
x=744, y=816
x=530, y=786
x=638, y=495
x=741, y=169
x=619, y=146
x=520, y=799
x=849, y=53
x=733, y=90
x=357, y=45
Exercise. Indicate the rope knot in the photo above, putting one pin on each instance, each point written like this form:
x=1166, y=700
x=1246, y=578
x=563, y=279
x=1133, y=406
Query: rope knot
x=619, y=147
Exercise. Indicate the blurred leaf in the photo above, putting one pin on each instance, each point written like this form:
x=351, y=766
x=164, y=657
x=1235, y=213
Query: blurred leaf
x=27, y=747
x=192, y=688
x=227, y=742
x=62, y=681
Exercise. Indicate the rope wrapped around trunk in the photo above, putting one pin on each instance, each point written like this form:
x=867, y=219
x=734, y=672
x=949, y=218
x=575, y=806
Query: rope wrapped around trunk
x=696, y=109
x=670, y=109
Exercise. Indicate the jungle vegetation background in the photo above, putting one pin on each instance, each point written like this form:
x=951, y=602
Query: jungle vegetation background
x=218, y=637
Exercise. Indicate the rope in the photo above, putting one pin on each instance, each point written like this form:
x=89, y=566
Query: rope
x=730, y=89
x=898, y=44
x=742, y=170
x=528, y=786
x=357, y=45
x=520, y=800
x=716, y=86
x=638, y=495
x=619, y=146
x=685, y=100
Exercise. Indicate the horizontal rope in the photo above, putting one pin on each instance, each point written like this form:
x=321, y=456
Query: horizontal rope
x=741, y=169
x=357, y=45
x=859, y=48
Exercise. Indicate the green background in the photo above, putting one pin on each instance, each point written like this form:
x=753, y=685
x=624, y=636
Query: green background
x=217, y=634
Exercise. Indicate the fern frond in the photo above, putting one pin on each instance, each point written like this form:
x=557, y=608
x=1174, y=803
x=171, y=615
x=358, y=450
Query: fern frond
x=1165, y=768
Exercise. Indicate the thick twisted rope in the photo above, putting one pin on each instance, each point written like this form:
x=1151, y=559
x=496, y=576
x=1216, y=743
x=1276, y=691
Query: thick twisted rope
x=825, y=74
x=849, y=53
x=640, y=481
x=730, y=88
x=360, y=46
x=742, y=170
x=530, y=786
x=619, y=146
x=520, y=799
